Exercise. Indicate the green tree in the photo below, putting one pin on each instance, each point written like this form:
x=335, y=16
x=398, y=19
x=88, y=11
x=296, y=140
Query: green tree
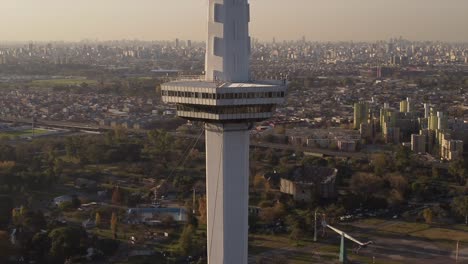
x=460, y=206
x=380, y=163
x=457, y=169
x=159, y=145
x=366, y=185
x=186, y=240
x=271, y=214
x=120, y=135
x=333, y=211
x=398, y=182
x=402, y=158
x=260, y=183
x=66, y=242
x=297, y=226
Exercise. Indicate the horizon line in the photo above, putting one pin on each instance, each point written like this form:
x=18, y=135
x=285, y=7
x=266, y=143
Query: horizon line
x=256, y=39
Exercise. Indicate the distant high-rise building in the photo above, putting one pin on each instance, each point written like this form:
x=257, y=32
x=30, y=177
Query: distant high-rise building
x=451, y=149
x=433, y=122
x=189, y=43
x=405, y=106
x=361, y=114
x=427, y=111
x=379, y=72
x=177, y=43
x=391, y=135
x=418, y=143
x=441, y=121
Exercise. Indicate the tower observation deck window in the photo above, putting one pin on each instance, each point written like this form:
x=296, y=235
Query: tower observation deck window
x=229, y=110
x=218, y=17
x=222, y=96
x=218, y=46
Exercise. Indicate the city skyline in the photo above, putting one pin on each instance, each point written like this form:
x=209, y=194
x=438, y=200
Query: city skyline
x=320, y=20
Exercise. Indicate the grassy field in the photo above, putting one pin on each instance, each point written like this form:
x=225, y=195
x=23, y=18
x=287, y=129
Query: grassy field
x=371, y=221
x=22, y=133
x=62, y=82
x=404, y=228
x=443, y=234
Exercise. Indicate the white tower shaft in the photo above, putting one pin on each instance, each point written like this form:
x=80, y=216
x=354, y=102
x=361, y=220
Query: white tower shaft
x=227, y=172
x=228, y=45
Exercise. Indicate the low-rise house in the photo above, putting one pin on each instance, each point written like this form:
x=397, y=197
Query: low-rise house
x=305, y=183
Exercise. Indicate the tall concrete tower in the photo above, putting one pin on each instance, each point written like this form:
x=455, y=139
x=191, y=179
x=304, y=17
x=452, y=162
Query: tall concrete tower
x=228, y=102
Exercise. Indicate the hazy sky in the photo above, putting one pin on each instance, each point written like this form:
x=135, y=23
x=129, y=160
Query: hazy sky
x=322, y=20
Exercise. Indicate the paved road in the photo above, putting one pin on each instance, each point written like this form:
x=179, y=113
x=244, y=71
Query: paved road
x=406, y=248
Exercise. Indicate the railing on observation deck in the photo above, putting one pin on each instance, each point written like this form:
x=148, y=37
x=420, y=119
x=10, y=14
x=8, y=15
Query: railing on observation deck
x=201, y=78
x=190, y=78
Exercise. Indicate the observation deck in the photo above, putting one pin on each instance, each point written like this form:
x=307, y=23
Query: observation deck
x=211, y=101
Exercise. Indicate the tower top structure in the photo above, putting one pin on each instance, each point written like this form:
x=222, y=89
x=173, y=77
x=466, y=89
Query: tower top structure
x=228, y=45
x=226, y=93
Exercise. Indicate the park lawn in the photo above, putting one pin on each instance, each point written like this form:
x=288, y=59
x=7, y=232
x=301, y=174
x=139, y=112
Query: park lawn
x=20, y=133
x=404, y=228
x=309, y=257
x=371, y=222
x=62, y=82
x=270, y=241
x=366, y=259
x=261, y=243
x=442, y=234
x=461, y=227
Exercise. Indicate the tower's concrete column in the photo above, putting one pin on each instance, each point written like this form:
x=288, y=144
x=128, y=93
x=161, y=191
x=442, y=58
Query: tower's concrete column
x=227, y=178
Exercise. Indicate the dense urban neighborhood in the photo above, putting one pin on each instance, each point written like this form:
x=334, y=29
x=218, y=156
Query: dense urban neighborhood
x=372, y=140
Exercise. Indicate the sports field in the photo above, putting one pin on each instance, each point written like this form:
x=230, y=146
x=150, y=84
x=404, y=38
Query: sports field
x=22, y=133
